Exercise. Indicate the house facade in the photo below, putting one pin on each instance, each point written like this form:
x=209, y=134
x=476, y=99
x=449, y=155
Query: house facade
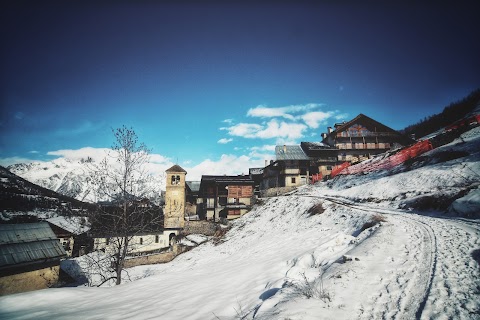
x=72, y=234
x=225, y=196
x=30, y=255
x=363, y=137
x=147, y=242
x=352, y=141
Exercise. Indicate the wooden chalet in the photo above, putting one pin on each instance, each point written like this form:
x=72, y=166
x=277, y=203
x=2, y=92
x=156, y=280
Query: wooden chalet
x=30, y=256
x=353, y=141
x=225, y=196
x=363, y=137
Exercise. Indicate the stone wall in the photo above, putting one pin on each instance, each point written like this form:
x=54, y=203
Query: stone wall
x=30, y=280
x=200, y=227
x=273, y=192
x=163, y=257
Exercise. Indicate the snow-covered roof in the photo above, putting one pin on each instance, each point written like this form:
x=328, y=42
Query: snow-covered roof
x=70, y=224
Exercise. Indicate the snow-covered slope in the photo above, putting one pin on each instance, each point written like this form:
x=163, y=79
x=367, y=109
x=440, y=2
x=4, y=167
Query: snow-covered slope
x=70, y=178
x=366, y=253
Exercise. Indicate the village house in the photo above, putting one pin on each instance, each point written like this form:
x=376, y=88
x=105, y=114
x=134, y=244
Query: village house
x=363, y=137
x=30, y=256
x=225, y=196
x=352, y=141
x=72, y=234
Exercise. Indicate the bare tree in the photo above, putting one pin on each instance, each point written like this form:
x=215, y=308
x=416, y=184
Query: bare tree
x=121, y=181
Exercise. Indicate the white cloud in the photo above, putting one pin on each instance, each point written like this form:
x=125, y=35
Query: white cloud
x=229, y=121
x=273, y=129
x=226, y=165
x=246, y=130
x=224, y=140
x=314, y=119
x=265, y=147
x=33, y=152
x=287, y=112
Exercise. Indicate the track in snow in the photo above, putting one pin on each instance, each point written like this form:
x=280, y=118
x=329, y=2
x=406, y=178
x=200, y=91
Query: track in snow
x=437, y=277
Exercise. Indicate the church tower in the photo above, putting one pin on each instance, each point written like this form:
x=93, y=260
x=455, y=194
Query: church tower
x=175, y=198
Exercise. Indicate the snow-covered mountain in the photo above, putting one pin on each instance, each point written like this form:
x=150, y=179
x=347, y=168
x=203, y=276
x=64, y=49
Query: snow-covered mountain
x=71, y=178
x=19, y=197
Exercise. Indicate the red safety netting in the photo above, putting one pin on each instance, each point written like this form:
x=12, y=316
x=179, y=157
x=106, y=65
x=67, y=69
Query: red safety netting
x=317, y=177
x=337, y=169
x=390, y=162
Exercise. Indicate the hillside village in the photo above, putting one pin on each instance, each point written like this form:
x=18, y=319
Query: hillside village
x=32, y=253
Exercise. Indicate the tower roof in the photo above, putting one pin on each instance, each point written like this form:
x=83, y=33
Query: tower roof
x=176, y=168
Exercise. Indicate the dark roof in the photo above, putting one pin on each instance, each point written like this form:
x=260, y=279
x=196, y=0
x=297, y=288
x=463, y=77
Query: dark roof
x=27, y=243
x=369, y=123
x=175, y=168
x=291, y=152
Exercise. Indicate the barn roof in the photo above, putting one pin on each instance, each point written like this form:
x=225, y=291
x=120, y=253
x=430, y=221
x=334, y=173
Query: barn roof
x=27, y=243
x=70, y=224
x=290, y=152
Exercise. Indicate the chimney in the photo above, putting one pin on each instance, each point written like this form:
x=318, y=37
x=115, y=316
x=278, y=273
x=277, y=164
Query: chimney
x=266, y=162
x=329, y=130
x=324, y=135
x=284, y=149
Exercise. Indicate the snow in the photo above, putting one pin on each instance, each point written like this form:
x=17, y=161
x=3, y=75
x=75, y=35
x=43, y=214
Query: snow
x=370, y=254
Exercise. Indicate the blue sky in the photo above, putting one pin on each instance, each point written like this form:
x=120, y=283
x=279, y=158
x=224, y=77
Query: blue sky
x=213, y=84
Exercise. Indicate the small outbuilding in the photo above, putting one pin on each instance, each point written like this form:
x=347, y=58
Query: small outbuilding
x=30, y=256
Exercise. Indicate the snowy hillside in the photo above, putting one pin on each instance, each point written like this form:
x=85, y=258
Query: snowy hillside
x=358, y=247
x=21, y=199
x=69, y=177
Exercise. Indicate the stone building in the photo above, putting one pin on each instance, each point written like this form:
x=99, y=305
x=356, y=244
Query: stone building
x=175, y=198
x=30, y=256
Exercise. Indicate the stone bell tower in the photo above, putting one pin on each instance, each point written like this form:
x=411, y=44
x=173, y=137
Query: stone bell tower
x=175, y=198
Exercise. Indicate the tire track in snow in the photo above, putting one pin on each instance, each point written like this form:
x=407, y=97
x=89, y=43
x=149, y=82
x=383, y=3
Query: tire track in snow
x=426, y=245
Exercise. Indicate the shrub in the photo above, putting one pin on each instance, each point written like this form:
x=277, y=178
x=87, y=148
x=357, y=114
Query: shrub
x=375, y=219
x=316, y=209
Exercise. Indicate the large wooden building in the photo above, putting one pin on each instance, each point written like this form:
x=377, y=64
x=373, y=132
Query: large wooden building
x=352, y=141
x=363, y=137
x=225, y=196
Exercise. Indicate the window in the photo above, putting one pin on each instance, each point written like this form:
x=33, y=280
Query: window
x=329, y=168
x=293, y=180
x=141, y=240
x=107, y=241
x=156, y=238
x=175, y=180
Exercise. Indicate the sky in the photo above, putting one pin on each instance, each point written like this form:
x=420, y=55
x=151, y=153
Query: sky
x=215, y=86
